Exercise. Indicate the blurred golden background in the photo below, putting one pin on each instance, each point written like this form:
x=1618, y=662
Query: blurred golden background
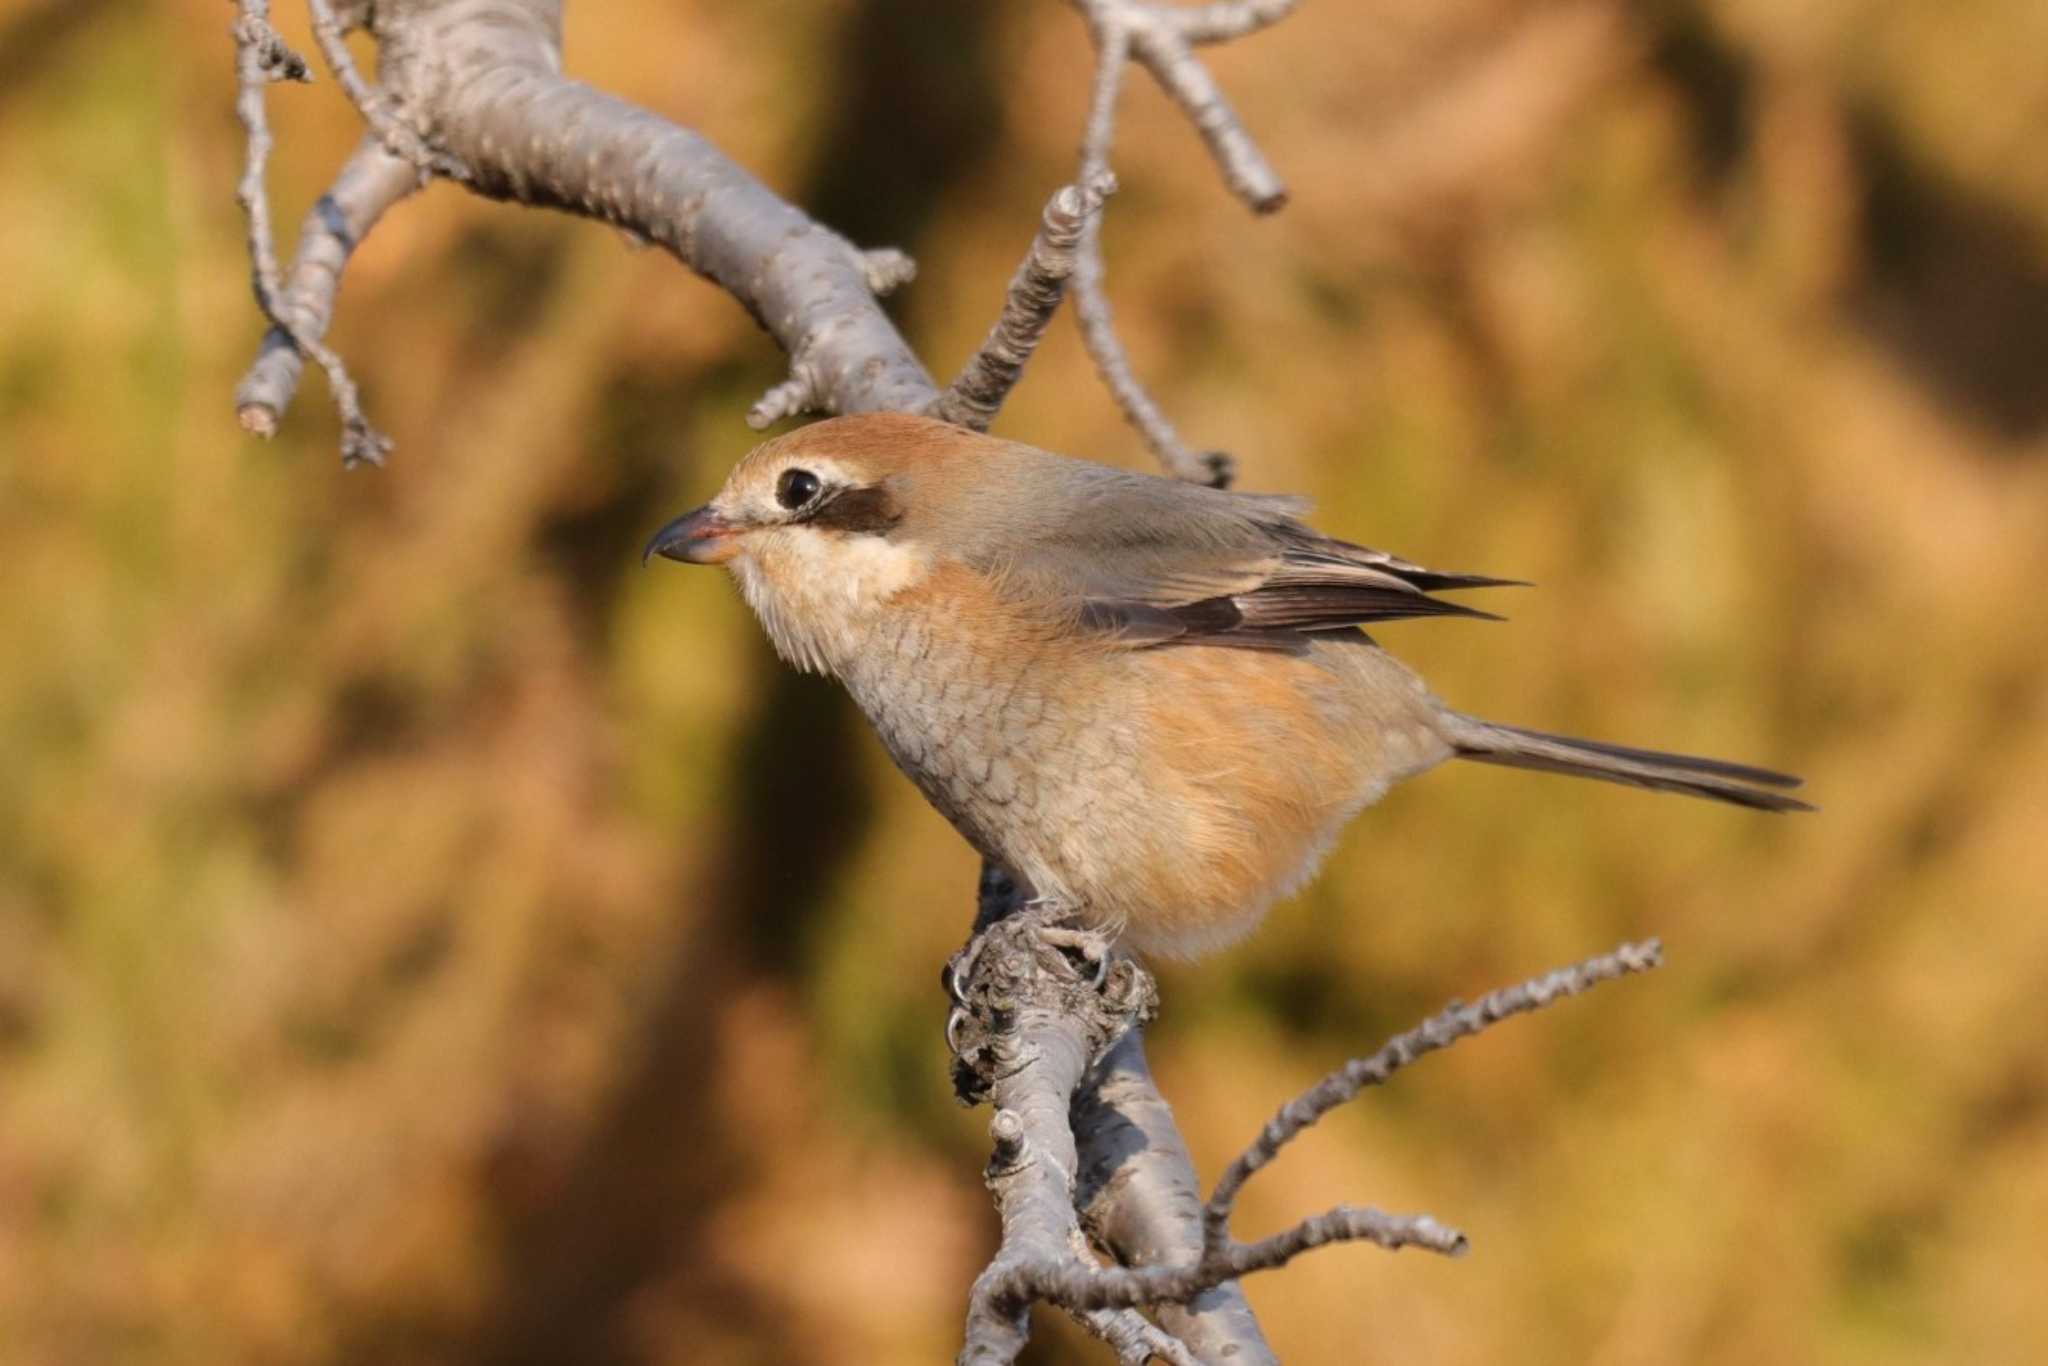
x=426, y=938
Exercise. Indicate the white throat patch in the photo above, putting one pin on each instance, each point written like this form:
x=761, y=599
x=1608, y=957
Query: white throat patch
x=816, y=592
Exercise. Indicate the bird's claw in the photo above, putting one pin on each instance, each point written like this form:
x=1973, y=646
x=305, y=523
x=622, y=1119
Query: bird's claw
x=960, y=970
x=1092, y=945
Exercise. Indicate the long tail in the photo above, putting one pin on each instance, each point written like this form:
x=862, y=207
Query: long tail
x=1490, y=743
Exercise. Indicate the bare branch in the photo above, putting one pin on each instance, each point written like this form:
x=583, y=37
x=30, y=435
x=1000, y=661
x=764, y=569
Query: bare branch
x=973, y=399
x=1161, y=38
x=372, y=102
x=888, y=270
x=1347, y=1224
x=793, y=397
x=1033, y=1016
x=1079, y=1288
x=1091, y=300
x=274, y=58
x=261, y=56
x=1113, y=363
x=473, y=90
x=1166, y=54
x=370, y=182
x=1140, y=1201
x=1112, y=50
x=1229, y=19
x=1134, y=1338
x=1455, y=1022
x=1036, y=1023
x=484, y=76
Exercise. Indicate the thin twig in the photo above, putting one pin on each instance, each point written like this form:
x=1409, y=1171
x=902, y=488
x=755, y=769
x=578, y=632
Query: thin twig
x=1113, y=364
x=793, y=397
x=1033, y=1027
x=1134, y=1338
x=1161, y=38
x=261, y=57
x=1078, y=1288
x=1166, y=53
x=373, y=102
x=1455, y=1022
x=1091, y=300
x=1139, y=1200
x=1227, y=19
x=369, y=183
x=1034, y=295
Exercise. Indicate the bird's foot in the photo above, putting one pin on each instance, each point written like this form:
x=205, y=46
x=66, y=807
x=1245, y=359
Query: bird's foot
x=1039, y=973
x=983, y=979
x=1056, y=925
x=1052, y=922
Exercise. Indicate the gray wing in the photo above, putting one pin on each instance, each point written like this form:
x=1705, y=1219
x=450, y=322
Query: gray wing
x=1161, y=562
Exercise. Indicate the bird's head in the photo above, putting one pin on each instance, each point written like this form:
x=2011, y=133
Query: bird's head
x=823, y=526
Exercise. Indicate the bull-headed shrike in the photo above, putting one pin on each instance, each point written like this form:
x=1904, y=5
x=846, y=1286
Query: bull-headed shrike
x=1150, y=700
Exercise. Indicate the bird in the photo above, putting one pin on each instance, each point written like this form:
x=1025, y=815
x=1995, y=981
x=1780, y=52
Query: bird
x=1152, y=701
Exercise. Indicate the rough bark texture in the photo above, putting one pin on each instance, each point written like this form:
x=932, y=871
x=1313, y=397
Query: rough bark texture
x=1139, y=1199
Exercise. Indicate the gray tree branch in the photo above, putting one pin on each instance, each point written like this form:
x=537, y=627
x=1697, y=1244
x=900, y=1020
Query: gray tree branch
x=261, y=57
x=1041, y=1031
x=1035, y=1024
x=1139, y=1199
x=473, y=90
x=1455, y=1022
x=370, y=182
x=1161, y=38
x=973, y=399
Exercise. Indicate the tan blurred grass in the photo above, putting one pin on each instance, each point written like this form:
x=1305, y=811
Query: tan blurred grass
x=422, y=938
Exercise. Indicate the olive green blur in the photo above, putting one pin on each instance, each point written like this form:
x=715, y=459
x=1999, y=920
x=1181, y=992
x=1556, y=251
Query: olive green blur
x=427, y=938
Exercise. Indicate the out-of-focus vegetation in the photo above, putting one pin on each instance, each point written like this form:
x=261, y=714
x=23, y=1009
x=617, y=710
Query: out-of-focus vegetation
x=426, y=938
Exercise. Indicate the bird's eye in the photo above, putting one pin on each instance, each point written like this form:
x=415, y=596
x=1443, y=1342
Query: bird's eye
x=795, y=488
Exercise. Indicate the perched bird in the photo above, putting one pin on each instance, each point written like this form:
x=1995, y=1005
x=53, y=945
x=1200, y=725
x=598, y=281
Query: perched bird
x=1150, y=700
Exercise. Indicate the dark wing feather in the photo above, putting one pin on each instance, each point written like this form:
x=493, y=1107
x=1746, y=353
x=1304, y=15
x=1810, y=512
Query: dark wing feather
x=1210, y=621
x=1319, y=604
x=1156, y=562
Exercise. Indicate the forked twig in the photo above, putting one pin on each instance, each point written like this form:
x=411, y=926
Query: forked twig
x=262, y=57
x=1033, y=1029
x=1162, y=38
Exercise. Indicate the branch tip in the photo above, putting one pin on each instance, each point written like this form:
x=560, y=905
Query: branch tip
x=257, y=419
x=257, y=53
x=1456, y=1021
x=887, y=269
x=1006, y=1131
x=275, y=58
x=1161, y=38
x=791, y=398
x=362, y=444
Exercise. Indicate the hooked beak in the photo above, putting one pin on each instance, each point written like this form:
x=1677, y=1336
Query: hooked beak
x=700, y=537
